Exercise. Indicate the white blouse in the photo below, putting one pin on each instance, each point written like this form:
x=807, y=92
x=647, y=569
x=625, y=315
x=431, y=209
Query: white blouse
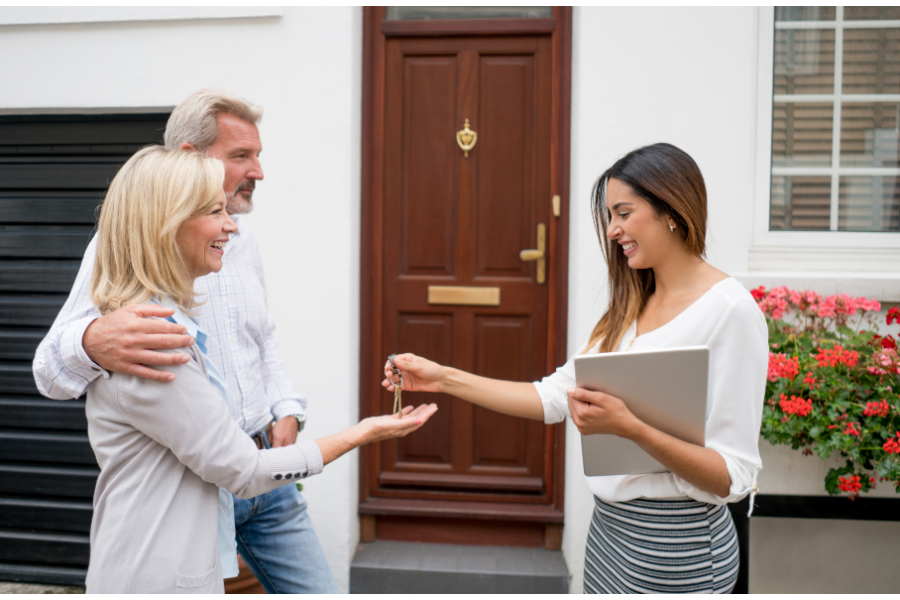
x=727, y=320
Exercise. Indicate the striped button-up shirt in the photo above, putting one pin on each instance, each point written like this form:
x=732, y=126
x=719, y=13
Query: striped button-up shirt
x=235, y=314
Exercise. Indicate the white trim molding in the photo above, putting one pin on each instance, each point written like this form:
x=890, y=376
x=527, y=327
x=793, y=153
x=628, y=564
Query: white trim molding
x=881, y=287
x=858, y=263
x=57, y=15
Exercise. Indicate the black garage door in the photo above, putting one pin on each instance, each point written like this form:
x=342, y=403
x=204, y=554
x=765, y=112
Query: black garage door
x=53, y=174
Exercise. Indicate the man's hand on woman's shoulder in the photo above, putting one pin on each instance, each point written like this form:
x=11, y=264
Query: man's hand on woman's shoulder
x=125, y=340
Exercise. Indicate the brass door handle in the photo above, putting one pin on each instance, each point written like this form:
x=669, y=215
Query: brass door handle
x=540, y=254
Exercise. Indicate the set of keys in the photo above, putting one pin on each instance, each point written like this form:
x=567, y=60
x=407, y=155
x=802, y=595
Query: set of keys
x=398, y=387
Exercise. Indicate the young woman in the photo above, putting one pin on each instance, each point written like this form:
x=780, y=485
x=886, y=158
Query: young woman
x=165, y=449
x=666, y=532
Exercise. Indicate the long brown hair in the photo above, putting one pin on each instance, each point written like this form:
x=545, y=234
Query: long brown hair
x=671, y=182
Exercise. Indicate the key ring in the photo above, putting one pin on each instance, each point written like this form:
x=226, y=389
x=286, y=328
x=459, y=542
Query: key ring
x=396, y=372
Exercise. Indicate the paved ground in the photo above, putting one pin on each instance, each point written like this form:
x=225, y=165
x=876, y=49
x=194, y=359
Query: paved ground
x=34, y=588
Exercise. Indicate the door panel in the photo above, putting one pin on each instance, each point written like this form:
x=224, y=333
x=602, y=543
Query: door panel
x=425, y=335
x=449, y=219
x=428, y=188
x=505, y=194
x=501, y=352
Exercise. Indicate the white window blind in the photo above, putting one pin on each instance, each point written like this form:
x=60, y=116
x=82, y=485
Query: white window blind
x=835, y=119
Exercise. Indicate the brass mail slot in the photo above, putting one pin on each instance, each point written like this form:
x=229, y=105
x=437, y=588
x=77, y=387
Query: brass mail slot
x=472, y=296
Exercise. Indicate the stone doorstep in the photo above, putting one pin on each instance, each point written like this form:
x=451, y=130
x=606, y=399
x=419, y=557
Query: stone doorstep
x=384, y=567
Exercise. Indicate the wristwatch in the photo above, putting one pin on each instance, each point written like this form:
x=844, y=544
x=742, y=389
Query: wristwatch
x=301, y=421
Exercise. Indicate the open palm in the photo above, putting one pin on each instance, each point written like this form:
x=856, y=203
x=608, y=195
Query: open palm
x=386, y=427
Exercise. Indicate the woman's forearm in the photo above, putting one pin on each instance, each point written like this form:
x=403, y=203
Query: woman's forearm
x=507, y=397
x=702, y=467
x=374, y=429
x=336, y=445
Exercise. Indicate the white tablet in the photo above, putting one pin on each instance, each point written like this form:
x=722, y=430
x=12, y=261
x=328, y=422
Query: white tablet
x=667, y=389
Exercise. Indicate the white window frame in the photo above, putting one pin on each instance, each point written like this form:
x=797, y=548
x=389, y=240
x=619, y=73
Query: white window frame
x=847, y=256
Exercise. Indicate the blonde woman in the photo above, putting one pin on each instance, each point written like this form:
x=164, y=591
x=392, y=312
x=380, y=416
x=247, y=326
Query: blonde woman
x=661, y=532
x=160, y=523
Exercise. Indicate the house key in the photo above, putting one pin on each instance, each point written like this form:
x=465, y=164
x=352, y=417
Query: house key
x=398, y=387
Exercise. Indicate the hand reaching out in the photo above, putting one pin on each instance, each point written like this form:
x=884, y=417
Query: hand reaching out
x=374, y=429
x=516, y=398
x=419, y=374
x=386, y=427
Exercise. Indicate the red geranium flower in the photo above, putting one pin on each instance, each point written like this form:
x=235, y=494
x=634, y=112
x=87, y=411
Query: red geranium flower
x=877, y=409
x=893, y=315
x=810, y=380
x=780, y=365
x=849, y=483
x=795, y=406
x=832, y=357
x=850, y=429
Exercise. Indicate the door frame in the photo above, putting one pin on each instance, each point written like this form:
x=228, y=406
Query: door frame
x=375, y=33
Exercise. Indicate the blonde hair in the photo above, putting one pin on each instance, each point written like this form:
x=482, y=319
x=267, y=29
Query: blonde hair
x=670, y=180
x=150, y=197
x=194, y=120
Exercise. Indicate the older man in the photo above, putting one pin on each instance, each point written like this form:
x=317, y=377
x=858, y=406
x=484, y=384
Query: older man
x=274, y=532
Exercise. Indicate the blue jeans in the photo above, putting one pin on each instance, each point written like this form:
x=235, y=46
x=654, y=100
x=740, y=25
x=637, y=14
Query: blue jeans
x=277, y=541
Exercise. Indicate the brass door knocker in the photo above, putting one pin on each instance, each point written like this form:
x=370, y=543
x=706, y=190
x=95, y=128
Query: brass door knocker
x=466, y=138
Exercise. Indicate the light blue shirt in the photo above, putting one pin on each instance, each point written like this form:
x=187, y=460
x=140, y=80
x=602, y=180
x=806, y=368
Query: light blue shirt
x=227, y=537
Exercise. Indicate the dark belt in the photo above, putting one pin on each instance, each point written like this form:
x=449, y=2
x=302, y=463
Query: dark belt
x=262, y=438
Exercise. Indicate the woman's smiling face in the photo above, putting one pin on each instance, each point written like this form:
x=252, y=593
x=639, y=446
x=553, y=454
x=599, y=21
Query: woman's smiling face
x=202, y=239
x=643, y=234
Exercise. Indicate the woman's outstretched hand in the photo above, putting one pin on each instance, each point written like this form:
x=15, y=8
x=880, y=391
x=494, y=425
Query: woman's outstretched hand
x=419, y=374
x=596, y=412
x=374, y=429
x=386, y=427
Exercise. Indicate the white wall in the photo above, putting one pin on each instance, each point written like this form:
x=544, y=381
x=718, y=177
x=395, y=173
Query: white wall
x=305, y=69
x=823, y=556
x=686, y=76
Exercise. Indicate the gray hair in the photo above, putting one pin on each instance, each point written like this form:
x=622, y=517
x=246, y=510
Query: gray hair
x=194, y=120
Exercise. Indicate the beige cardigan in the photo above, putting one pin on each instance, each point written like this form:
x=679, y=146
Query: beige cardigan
x=164, y=449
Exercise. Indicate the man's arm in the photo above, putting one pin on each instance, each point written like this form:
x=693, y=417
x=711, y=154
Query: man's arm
x=62, y=370
x=81, y=345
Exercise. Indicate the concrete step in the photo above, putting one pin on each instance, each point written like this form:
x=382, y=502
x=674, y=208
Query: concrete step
x=383, y=567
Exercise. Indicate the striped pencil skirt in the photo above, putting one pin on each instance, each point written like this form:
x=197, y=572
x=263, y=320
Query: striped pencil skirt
x=659, y=547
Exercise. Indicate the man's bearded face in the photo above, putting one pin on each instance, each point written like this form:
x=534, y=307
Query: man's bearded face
x=240, y=201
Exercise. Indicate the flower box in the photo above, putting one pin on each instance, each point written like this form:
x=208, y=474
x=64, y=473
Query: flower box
x=833, y=394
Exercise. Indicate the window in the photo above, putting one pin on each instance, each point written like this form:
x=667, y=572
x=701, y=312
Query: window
x=827, y=189
x=835, y=118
